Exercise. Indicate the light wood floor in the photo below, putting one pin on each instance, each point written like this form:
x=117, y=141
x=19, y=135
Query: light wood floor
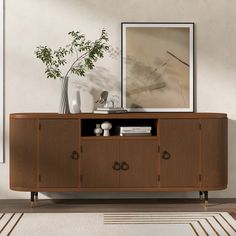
x=119, y=205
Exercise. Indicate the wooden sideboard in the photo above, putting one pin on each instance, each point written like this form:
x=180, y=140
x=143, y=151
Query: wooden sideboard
x=57, y=153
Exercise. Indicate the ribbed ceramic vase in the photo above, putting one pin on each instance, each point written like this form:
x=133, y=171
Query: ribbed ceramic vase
x=64, y=103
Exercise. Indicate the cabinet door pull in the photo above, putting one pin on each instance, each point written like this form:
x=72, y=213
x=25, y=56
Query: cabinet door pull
x=166, y=155
x=124, y=166
x=116, y=166
x=75, y=155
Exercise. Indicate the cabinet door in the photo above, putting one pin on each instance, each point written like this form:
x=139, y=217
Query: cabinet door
x=214, y=152
x=23, y=153
x=140, y=160
x=97, y=162
x=58, y=153
x=180, y=155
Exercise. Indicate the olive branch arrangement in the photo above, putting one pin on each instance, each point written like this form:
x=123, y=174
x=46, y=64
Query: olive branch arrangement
x=86, y=54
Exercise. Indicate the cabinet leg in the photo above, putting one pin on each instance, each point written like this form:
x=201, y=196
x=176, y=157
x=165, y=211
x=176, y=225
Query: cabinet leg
x=33, y=198
x=36, y=196
x=200, y=195
x=205, y=198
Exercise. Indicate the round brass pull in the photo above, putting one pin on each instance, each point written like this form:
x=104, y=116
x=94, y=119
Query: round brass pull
x=124, y=166
x=74, y=155
x=166, y=155
x=116, y=166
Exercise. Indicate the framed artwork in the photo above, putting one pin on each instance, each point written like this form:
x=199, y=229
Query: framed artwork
x=157, y=67
x=2, y=81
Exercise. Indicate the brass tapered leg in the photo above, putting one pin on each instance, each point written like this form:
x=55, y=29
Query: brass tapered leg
x=32, y=204
x=206, y=198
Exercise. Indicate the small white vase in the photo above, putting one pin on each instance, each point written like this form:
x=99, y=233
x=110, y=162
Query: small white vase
x=98, y=130
x=106, y=126
x=76, y=102
x=64, y=104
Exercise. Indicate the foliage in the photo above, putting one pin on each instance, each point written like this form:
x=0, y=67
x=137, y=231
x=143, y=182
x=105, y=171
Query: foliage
x=86, y=52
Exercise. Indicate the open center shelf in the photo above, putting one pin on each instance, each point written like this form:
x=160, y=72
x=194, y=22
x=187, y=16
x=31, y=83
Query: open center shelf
x=88, y=125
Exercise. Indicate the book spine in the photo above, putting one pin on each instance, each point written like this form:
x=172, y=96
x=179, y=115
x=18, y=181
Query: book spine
x=135, y=134
x=135, y=131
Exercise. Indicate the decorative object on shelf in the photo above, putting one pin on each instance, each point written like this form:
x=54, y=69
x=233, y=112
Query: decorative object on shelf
x=106, y=126
x=76, y=102
x=98, y=130
x=109, y=102
x=112, y=101
x=103, y=98
x=157, y=76
x=86, y=52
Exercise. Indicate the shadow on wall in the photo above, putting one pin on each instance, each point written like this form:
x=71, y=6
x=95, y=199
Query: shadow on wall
x=157, y=82
x=91, y=86
x=96, y=81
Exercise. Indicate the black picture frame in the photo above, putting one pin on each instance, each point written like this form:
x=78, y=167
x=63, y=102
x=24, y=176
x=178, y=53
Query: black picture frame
x=146, y=49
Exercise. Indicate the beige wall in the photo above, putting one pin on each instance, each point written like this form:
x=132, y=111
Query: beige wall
x=33, y=22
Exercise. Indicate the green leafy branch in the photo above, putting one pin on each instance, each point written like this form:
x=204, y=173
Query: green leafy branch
x=87, y=53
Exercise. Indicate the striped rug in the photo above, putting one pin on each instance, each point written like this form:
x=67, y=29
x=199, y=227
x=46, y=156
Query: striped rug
x=118, y=224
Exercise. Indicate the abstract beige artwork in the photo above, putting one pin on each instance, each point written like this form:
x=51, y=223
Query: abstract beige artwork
x=157, y=67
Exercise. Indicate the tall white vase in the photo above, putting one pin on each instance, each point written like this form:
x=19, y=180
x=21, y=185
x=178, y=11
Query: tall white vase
x=76, y=102
x=64, y=103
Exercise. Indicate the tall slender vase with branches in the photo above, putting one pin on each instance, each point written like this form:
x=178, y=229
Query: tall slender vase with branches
x=85, y=53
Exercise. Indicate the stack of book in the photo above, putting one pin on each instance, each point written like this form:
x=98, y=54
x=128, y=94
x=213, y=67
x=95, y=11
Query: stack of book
x=109, y=110
x=135, y=131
